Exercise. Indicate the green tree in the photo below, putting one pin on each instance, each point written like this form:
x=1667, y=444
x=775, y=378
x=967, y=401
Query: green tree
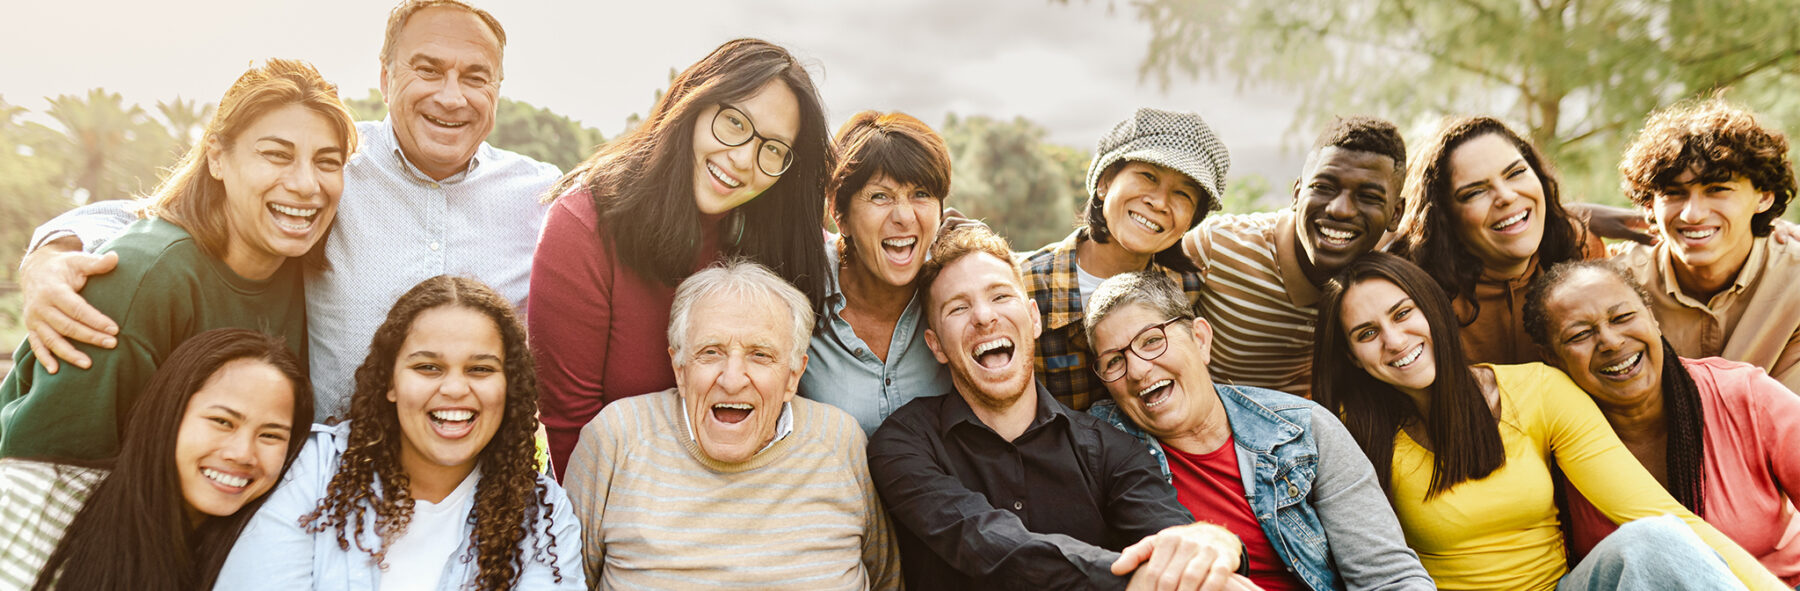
x=1004, y=173
x=186, y=120
x=30, y=185
x=111, y=150
x=1579, y=74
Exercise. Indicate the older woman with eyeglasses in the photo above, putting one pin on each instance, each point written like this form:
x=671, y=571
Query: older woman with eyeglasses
x=731, y=162
x=1275, y=469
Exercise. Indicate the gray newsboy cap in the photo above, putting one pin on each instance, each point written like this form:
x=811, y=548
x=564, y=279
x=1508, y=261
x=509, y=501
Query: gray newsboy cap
x=1181, y=141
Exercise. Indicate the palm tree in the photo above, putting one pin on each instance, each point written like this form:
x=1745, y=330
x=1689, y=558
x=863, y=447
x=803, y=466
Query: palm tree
x=113, y=150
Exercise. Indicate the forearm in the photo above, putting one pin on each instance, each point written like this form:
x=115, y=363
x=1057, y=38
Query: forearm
x=1368, y=547
x=90, y=226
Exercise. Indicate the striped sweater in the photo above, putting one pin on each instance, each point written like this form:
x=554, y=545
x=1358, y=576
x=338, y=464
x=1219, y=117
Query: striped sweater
x=37, y=502
x=1261, y=306
x=658, y=513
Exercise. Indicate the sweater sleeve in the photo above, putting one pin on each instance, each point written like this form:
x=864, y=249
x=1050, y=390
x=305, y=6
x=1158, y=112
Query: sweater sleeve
x=880, y=552
x=1367, y=545
x=570, y=322
x=1608, y=475
x=589, y=481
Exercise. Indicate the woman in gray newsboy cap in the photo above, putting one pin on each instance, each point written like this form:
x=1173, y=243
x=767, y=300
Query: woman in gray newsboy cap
x=1154, y=177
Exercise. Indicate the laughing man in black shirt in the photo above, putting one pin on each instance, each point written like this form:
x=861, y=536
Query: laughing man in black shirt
x=997, y=485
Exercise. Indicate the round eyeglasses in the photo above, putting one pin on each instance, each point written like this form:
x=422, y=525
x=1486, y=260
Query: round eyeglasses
x=733, y=128
x=1149, y=344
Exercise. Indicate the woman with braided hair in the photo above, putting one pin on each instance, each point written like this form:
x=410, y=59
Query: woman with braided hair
x=1722, y=436
x=431, y=483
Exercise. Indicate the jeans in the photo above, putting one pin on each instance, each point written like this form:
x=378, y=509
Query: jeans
x=1651, y=553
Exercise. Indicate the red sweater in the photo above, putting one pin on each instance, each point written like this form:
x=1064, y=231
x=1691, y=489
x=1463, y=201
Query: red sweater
x=599, y=331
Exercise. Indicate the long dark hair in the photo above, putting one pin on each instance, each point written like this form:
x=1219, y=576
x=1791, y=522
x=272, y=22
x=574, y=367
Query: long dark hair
x=1428, y=235
x=1684, y=417
x=1463, y=431
x=642, y=184
x=510, y=500
x=133, y=531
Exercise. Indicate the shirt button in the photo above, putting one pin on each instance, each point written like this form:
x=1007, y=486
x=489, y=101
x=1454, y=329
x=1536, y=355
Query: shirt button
x=434, y=245
x=890, y=381
x=1018, y=505
x=859, y=351
x=435, y=185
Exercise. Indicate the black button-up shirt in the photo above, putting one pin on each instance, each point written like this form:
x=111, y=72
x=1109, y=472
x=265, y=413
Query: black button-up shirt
x=1048, y=510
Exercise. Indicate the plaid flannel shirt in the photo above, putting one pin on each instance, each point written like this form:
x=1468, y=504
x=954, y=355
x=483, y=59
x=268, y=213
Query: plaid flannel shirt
x=1063, y=354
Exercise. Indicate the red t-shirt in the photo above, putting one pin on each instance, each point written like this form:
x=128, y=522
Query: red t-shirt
x=1209, y=486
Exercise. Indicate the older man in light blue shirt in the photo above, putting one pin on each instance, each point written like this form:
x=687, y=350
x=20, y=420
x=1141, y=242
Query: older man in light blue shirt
x=426, y=195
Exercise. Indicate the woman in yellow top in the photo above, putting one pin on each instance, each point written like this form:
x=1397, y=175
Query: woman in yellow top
x=1480, y=510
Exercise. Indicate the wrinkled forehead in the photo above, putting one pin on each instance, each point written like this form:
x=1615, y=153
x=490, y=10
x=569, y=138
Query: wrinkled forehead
x=972, y=274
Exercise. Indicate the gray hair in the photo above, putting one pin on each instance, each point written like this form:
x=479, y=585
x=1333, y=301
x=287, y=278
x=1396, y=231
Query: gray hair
x=739, y=278
x=1149, y=288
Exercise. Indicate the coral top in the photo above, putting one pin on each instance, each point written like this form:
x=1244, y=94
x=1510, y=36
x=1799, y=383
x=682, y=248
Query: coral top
x=1752, y=457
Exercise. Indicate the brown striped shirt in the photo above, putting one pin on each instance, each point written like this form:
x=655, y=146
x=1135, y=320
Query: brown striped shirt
x=656, y=512
x=1261, y=306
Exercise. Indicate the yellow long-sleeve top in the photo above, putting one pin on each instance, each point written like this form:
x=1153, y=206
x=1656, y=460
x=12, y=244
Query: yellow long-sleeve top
x=1500, y=532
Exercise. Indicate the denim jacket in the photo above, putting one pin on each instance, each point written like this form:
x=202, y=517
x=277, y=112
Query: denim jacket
x=1277, y=458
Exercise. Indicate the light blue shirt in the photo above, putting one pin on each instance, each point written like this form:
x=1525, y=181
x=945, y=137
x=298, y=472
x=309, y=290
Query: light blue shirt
x=276, y=552
x=842, y=371
x=394, y=228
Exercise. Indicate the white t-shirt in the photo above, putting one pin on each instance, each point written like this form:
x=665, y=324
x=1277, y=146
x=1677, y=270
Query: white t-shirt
x=1087, y=283
x=416, y=559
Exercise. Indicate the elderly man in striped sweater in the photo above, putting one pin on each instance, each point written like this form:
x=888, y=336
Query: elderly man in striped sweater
x=729, y=479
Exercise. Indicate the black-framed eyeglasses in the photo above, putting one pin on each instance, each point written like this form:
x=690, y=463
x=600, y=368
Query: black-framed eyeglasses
x=1149, y=344
x=733, y=128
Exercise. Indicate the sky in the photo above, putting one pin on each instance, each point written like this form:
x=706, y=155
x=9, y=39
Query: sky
x=1071, y=66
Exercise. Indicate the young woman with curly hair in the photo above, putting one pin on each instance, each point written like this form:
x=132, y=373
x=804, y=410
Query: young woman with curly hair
x=208, y=439
x=732, y=161
x=1484, y=212
x=431, y=483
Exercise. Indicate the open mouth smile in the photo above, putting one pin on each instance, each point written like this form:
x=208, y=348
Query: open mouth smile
x=1404, y=362
x=732, y=413
x=1156, y=394
x=294, y=219
x=452, y=423
x=442, y=123
x=1512, y=224
x=1154, y=227
x=1336, y=237
x=1622, y=368
x=994, y=354
x=228, y=480
x=729, y=181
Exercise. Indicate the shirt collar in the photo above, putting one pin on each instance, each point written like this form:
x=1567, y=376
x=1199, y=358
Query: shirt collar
x=1746, y=276
x=399, y=158
x=956, y=411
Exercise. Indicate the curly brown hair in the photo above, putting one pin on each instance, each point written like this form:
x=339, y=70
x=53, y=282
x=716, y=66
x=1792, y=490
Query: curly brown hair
x=511, y=498
x=1716, y=140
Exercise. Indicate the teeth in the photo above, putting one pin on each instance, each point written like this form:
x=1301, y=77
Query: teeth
x=899, y=242
x=720, y=174
x=1152, y=387
x=983, y=348
x=1410, y=358
x=451, y=416
x=1510, y=221
x=294, y=211
x=443, y=122
x=225, y=479
x=1620, y=367
x=1698, y=234
x=1153, y=226
x=735, y=405
x=1335, y=234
